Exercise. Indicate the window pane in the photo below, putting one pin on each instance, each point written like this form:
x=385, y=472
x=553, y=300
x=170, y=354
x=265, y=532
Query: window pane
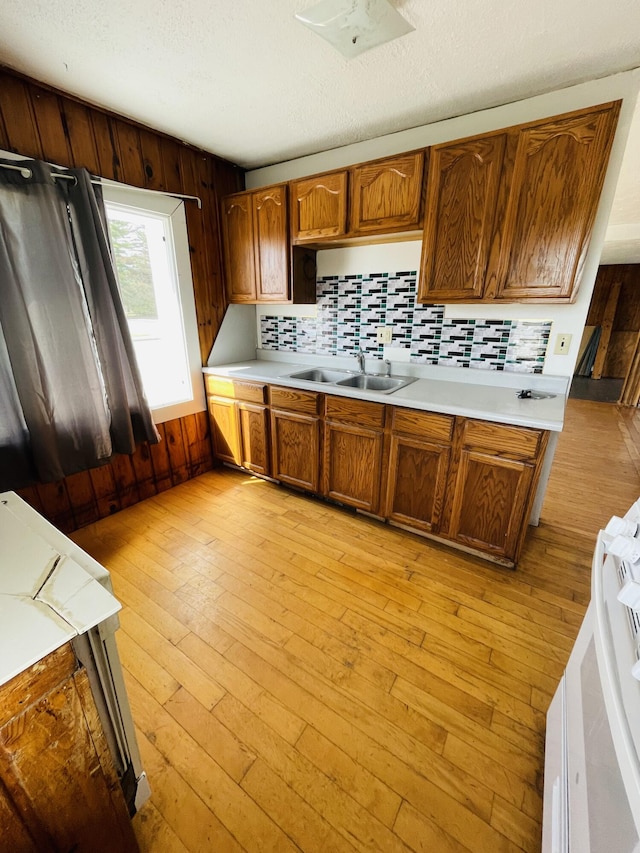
x=145, y=261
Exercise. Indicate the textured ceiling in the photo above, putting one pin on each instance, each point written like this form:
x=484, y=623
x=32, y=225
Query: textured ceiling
x=245, y=80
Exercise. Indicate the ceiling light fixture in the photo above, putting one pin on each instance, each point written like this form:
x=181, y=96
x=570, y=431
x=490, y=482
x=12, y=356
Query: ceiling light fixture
x=353, y=26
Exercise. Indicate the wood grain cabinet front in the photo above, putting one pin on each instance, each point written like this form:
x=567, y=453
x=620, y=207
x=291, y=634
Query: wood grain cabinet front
x=319, y=207
x=419, y=455
x=386, y=195
x=494, y=471
x=239, y=423
x=58, y=787
x=260, y=264
x=509, y=214
x=295, y=437
x=352, y=459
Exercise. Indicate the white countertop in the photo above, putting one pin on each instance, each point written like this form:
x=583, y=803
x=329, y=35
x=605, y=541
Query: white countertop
x=50, y=590
x=487, y=395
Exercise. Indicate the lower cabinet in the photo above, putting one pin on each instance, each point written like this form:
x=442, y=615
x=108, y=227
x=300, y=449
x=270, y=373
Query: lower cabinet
x=353, y=452
x=463, y=480
x=239, y=423
x=419, y=455
x=58, y=786
x=295, y=438
x=491, y=485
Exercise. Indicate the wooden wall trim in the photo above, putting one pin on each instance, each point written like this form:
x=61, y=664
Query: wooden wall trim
x=38, y=122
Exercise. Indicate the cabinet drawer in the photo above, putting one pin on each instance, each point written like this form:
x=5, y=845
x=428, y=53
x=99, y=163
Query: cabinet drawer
x=422, y=424
x=503, y=440
x=293, y=400
x=221, y=386
x=359, y=412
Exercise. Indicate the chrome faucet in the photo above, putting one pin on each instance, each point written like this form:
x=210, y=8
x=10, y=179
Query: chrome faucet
x=387, y=367
x=360, y=357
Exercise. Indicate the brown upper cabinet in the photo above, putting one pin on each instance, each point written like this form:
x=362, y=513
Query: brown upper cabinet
x=319, y=207
x=379, y=197
x=509, y=214
x=258, y=258
x=386, y=195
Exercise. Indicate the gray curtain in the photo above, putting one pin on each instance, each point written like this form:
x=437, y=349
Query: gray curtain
x=71, y=394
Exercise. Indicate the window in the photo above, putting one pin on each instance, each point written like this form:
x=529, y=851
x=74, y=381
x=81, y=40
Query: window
x=151, y=254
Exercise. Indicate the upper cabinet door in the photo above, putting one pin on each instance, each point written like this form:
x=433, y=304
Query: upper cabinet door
x=271, y=244
x=554, y=187
x=319, y=207
x=237, y=240
x=462, y=192
x=386, y=195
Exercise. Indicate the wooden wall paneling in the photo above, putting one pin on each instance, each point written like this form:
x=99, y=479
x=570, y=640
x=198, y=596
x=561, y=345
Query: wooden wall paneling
x=143, y=470
x=105, y=490
x=160, y=461
x=79, y=132
x=195, y=429
x=130, y=153
x=31, y=496
x=19, y=121
x=56, y=505
x=607, y=326
x=107, y=145
x=48, y=117
x=177, y=451
x=199, y=270
x=82, y=498
x=125, y=478
x=620, y=354
x=152, y=160
x=170, y=155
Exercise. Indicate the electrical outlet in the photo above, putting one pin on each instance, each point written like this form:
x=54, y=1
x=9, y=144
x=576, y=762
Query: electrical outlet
x=384, y=334
x=563, y=342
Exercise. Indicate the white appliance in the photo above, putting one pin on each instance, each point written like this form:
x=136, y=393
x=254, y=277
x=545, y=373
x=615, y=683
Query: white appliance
x=51, y=593
x=592, y=756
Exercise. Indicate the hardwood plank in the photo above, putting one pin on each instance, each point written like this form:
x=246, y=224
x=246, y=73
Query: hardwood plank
x=216, y=740
x=234, y=808
x=189, y=818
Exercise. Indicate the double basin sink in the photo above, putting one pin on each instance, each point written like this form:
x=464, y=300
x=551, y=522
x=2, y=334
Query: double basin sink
x=345, y=379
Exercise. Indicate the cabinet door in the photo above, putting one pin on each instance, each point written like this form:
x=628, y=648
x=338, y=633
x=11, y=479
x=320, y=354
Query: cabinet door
x=271, y=244
x=254, y=438
x=319, y=207
x=237, y=242
x=555, y=185
x=489, y=501
x=295, y=449
x=352, y=465
x=462, y=192
x=386, y=195
x=225, y=429
x=417, y=481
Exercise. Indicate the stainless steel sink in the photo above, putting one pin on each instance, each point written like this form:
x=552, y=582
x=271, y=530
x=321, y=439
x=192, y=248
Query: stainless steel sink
x=317, y=374
x=385, y=384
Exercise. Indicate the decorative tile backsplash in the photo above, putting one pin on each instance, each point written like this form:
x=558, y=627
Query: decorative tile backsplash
x=350, y=307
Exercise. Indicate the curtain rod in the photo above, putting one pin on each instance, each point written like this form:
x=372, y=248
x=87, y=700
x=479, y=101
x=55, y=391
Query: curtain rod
x=27, y=173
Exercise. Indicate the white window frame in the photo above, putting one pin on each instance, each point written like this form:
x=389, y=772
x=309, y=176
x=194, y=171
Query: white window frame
x=174, y=209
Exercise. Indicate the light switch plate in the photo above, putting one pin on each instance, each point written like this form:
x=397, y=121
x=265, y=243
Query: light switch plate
x=384, y=334
x=563, y=343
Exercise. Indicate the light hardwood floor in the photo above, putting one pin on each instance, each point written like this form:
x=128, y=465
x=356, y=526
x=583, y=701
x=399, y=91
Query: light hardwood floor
x=303, y=678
